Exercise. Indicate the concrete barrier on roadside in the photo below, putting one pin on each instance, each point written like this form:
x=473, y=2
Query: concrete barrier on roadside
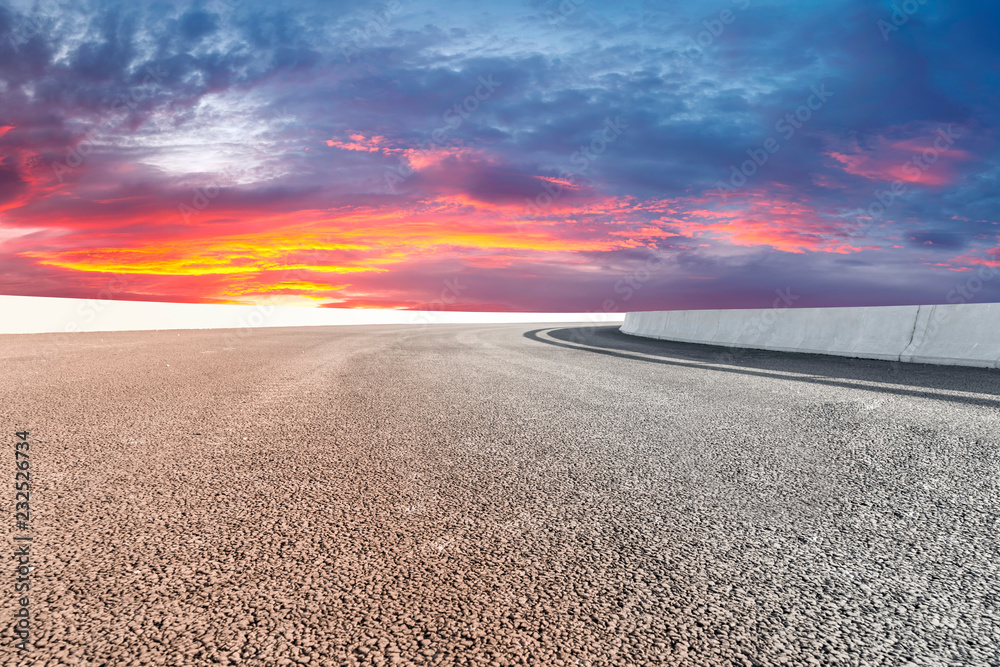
x=961, y=335
x=965, y=335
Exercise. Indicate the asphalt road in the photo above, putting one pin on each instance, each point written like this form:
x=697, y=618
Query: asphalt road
x=497, y=494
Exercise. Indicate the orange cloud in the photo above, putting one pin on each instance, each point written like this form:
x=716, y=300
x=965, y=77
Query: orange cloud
x=233, y=255
x=290, y=258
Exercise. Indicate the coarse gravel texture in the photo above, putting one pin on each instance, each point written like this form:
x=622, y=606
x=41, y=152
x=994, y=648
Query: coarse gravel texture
x=498, y=494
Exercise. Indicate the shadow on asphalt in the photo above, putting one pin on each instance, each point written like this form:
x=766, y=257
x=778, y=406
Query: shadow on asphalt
x=920, y=380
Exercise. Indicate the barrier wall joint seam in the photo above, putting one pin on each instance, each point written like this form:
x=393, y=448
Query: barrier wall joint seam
x=913, y=333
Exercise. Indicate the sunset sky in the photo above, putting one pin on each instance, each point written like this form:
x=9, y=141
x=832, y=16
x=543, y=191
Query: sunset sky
x=518, y=155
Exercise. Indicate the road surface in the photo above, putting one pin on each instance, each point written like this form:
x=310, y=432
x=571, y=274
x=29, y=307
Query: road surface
x=498, y=494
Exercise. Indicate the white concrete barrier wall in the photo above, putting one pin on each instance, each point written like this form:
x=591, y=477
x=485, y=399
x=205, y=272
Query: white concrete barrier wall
x=964, y=335
x=20, y=315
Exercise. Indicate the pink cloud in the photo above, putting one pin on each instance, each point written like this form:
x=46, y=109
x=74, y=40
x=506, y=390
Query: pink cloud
x=358, y=142
x=766, y=219
x=927, y=158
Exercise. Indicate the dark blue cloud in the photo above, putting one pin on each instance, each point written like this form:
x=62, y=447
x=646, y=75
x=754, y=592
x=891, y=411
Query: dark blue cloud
x=195, y=24
x=946, y=240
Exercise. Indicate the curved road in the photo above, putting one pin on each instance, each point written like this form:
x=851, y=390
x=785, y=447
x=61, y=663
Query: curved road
x=498, y=494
